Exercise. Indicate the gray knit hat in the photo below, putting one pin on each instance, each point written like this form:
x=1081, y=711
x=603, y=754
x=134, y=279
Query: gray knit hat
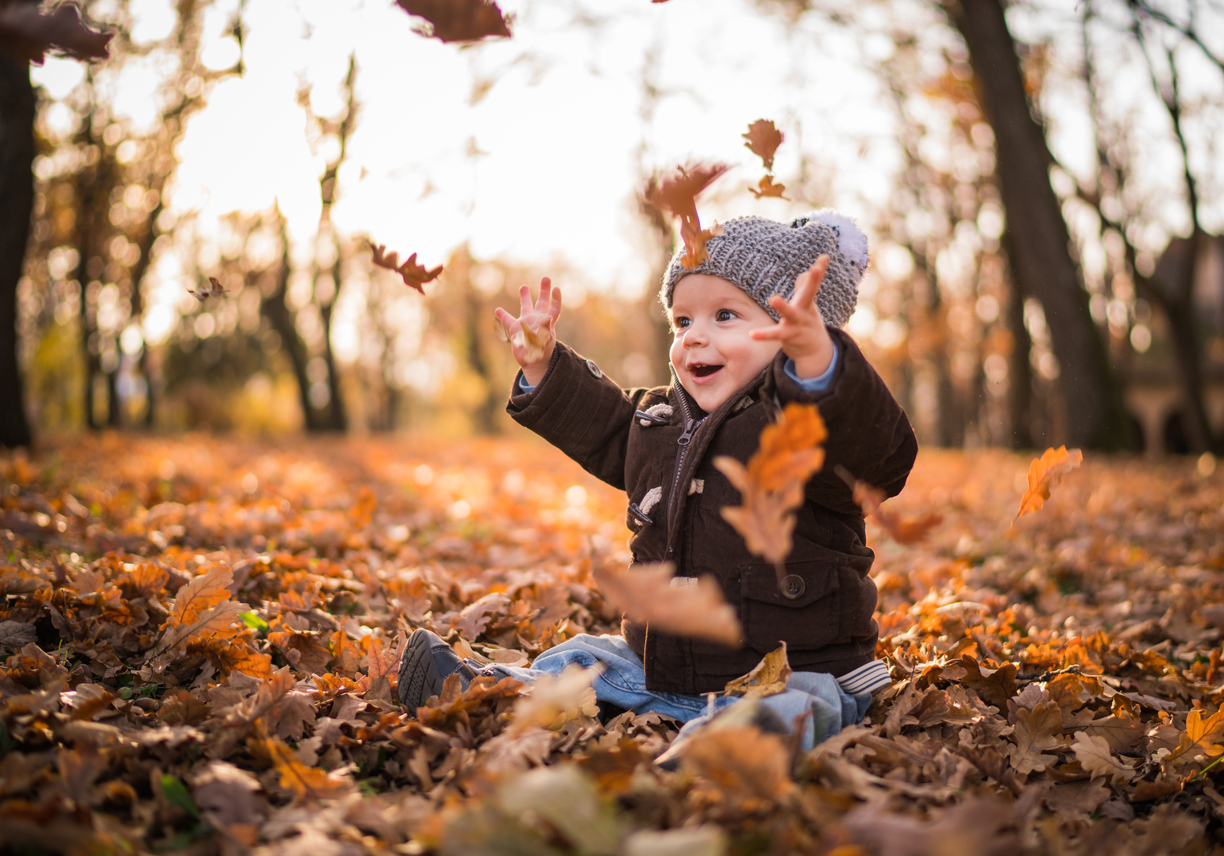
x=763, y=257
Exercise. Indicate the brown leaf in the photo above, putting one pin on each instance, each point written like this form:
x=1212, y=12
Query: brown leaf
x=413, y=274
x=767, y=189
x=552, y=700
x=459, y=20
x=677, y=195
x=743, y=762
x=213, y=289
x=1044, y=473
x=763, y=141
x=901, y=530
x=15, y=635
x=1095, y=756
x=1201, y=737
x=27, y=34
x=995, y=687
x=696, y=609
x=306, y=783
x=772, y=484
x=1036, y=731
x=201, y=594
x=767, y=677
x=226, y=794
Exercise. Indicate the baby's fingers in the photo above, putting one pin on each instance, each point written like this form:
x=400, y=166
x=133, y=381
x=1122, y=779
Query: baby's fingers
x=546, y=291
x=524, y=299
x=807, y=284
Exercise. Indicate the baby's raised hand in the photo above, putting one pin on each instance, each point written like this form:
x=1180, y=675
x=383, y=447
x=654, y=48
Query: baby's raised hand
x=532, y=335
x=801, y=330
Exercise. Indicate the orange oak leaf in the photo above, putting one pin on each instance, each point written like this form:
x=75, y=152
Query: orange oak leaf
x=901, y=530
x=413, y=274
x=677, y=195
x=309, y=784
x=1203, y=736
x=200, y=594
x=767, y=678
x=1098, y=759
x=685, y=606
x=459, y=20
x=1044, y=473
x=763, y=140
x=772, y=483
x=27, y=34
x=213, y=289
x=766, y=188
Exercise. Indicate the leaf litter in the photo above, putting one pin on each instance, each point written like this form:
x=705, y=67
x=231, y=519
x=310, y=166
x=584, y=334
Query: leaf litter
x=199, y=636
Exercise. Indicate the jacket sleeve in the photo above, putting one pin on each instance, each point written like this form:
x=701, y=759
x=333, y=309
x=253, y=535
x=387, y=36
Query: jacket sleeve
x=581, y=412
x=869, y=433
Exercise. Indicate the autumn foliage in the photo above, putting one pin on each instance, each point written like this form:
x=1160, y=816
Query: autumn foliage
x=199, y=639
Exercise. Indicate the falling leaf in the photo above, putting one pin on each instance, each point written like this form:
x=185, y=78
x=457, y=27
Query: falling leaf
x=763, y=140
x=697, y=609
x=553, y=699
x=677, y=195
x=306, y=783
x=459, y=20
x=27, y=34
x=413, y=274
x=767, y=677
x=740, y=762
x=213, y=289
x=766, y=188
x=1095, y=756
x=1044, y=473
x=531, y=338
x=902, y=530
x=772, y=483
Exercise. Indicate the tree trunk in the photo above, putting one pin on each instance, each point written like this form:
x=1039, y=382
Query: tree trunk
x=17, y=193
x=1042, y=259
x=277, y=312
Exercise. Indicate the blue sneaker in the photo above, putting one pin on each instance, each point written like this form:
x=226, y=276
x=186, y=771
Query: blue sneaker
x=426, y=664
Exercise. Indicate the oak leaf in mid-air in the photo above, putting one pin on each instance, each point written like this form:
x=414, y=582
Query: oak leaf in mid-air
x=763, y=141
x=213, y=289
x=685, y=606
x=414, y=275
x=531, y=339
x=677, y=195
x=900, y=529
x=27, y=34
x=459, y=20
x=1044, y=473
x=767, y=677
x=766, y=188
x=772, y=482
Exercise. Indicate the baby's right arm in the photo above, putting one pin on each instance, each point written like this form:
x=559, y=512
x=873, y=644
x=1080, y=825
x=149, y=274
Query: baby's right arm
x=533, y=334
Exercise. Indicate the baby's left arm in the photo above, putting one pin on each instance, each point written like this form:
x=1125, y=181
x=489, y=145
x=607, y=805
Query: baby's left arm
x=801, y=330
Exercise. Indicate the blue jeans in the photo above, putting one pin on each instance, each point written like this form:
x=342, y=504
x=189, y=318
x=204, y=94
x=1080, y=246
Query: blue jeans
x=623, y=683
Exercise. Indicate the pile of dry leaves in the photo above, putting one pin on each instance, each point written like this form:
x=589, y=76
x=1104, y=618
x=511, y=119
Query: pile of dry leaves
x=199, y=640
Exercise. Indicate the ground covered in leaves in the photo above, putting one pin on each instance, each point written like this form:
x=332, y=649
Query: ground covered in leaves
x=199, y=640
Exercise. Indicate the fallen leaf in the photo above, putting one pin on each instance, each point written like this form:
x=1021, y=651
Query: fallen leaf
x=1095, y=756
x=767, y=677
x=306, y=783
x=1036, y=731
x=763, y=139
x=459, y=20
x=1203, y=736
x=413, y=274
x=697, y=609
x=1044, y=473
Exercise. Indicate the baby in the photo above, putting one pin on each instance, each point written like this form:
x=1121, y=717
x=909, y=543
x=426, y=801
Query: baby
x=756, y=325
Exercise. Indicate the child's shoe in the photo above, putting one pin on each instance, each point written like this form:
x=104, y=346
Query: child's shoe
x=426, y=664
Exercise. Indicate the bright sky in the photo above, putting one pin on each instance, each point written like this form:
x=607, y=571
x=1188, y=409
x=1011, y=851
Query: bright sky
x=559, y=128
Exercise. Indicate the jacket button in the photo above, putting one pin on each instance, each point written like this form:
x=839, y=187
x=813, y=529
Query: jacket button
x=793, y=586
x=594, y=369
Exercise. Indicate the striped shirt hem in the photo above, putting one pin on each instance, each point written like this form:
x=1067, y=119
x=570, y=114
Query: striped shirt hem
x=866, y=678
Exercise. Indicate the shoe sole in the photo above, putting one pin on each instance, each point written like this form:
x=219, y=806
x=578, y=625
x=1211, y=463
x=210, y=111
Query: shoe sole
x=418, y=675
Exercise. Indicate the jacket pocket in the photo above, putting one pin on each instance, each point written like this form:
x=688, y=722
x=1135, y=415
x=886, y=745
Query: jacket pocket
x=804, y=610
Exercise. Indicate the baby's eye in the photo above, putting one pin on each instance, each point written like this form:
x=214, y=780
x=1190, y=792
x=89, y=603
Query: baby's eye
x=680, y=322
x=725, y=315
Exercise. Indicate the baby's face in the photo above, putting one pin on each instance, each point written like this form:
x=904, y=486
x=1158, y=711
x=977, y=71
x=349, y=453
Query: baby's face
x=712, y=353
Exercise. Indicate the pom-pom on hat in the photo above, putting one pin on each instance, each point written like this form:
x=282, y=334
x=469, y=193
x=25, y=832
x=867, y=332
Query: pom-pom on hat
x=763, y=258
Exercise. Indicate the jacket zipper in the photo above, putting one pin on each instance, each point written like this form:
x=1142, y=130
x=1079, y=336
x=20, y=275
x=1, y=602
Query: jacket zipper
x=690, y=426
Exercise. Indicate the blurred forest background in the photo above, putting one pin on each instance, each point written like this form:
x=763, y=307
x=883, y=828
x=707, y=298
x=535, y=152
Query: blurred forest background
x=1040, y=180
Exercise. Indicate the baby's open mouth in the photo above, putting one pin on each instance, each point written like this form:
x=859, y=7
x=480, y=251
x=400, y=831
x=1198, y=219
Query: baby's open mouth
x=703, y=371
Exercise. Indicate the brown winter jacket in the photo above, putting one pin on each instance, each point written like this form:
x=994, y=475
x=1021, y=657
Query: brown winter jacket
x=824, y=609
